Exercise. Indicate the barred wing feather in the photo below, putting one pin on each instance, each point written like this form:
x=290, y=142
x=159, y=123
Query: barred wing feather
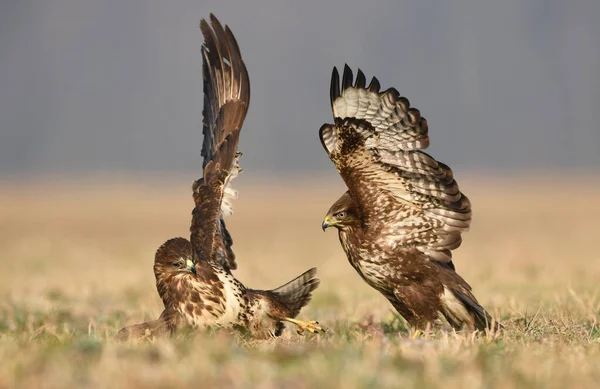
x=226, y=100
x=376, y=143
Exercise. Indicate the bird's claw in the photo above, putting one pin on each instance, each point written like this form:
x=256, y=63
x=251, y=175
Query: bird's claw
x=311, y=326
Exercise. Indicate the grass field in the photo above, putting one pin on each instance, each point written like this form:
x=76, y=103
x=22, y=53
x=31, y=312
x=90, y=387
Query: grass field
x=76, y=265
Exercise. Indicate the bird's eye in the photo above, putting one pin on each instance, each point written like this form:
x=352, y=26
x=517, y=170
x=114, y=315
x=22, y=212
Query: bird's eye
x=176, y=264
x=340, y=215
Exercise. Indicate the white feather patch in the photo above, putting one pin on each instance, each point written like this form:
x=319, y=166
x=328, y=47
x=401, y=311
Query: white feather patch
x=227, y=202
x=230, y=194
x=454, y=306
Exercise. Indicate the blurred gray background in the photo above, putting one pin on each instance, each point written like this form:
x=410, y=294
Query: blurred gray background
x=116, y=85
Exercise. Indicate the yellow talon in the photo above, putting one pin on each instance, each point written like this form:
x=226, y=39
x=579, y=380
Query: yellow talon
x=417, y=334
x=310, y=326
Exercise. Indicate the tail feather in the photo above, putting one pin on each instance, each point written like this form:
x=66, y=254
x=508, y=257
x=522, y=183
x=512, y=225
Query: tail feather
x=147, y=330
x=481, y=319
x=297, y=293
x=461, y=309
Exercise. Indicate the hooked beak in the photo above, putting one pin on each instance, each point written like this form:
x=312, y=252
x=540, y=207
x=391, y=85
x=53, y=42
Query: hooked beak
x=191, y=266
x=326, y=223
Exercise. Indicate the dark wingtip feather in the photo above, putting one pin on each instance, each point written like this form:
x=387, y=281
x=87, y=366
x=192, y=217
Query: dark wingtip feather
x=214, y=20
x=360, y=80
x=374, y=85
x=238, y=67
x=232, y=41
x=334, y=89
x=203, y=24
x=218, y=28
x=347, y=78
x=210, y=38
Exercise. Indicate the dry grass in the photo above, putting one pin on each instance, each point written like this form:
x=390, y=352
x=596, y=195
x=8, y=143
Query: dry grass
x=76, y=265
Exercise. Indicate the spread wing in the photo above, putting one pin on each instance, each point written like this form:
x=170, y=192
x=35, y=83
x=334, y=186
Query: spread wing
x=404, y=194
x=226, y=100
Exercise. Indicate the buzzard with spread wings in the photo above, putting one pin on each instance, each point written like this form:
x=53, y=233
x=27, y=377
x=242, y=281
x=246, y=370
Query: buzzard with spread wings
x=403, y=213
x=194, y=277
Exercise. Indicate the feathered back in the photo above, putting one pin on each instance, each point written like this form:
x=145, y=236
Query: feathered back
x=226, y=100
x=376, y=144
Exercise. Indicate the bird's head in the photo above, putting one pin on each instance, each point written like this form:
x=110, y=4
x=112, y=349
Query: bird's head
x=174, y=257
x=342, y=214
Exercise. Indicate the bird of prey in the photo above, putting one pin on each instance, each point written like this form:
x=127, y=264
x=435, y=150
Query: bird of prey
x=194, y=278
x=403, y=212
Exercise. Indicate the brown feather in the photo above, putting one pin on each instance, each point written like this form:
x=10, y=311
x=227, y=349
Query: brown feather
x=403, y=213
x=193, y=278
x=226, y=101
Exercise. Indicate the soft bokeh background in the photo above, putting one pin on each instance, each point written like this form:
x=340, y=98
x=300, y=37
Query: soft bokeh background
x=116, y=85
x=100, y=134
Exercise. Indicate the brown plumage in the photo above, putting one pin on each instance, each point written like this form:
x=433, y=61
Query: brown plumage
x=193, y=278
x=403, y=213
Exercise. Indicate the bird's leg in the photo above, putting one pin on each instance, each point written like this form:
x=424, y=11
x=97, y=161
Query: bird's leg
x=310, y=326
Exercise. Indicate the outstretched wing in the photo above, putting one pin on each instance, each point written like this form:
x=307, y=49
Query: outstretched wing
x=403, y=193
x=226, y=100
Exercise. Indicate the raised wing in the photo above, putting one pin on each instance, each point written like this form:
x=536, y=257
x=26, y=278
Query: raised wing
x=402, y=192
x=226, y=100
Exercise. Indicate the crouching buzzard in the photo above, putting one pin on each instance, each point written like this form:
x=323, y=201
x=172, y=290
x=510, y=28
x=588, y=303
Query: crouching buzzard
x=403, y=212
x=194, y=277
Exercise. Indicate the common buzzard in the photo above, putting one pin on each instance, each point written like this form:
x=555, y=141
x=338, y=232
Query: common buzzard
x=403, y=212
x=194, y=277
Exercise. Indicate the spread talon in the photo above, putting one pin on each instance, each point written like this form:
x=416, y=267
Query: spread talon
x=310, y=326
